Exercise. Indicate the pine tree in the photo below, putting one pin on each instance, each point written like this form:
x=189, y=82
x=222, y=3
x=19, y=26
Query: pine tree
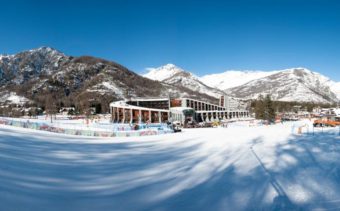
x=259, y=108
x=269, y=111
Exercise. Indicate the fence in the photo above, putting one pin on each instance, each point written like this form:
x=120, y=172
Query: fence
x=116, y=131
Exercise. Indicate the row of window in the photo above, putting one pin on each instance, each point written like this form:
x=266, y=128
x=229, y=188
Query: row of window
x=199, y=106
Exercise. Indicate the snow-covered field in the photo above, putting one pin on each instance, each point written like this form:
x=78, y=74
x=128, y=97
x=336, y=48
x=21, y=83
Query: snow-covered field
x=234, y=168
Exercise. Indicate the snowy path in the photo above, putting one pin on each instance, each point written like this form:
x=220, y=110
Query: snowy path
x=240, y=168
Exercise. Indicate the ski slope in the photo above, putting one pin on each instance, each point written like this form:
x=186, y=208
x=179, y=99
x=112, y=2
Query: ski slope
x=234, y=168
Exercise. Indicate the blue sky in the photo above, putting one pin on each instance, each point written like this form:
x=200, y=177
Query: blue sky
x=202, y=36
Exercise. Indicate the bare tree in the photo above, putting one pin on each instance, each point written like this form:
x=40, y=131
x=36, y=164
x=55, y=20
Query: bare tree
x=51, y=105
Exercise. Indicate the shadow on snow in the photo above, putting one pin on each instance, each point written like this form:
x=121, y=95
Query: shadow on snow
x=301, y=173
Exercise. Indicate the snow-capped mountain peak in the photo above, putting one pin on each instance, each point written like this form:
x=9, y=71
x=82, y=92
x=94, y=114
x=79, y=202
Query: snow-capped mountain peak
x=295, y=84
x=163, y=72
x=44, y=49
x=233, y=78
x=176, y=76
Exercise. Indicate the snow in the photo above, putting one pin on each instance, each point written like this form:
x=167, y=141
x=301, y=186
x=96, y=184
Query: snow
x=163, y=72
x=65, y=123
x=107, y=87
x=192, y=82
x=234, y=168
x=5, y=56
x=310, y=86
x=335, y=87
x=89, y=127
x=207, y=83
x=337, y=112
x=13, y=98
x=171, y=74
x=233, y=78
x=46, y=49
x=297, y=84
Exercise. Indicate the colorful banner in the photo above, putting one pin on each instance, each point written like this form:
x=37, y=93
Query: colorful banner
x=118, y=130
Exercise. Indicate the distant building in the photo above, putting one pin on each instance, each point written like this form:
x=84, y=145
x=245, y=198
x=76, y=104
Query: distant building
x=231, y=103
x=161, y=110
x=138, y=111
x=327, y=111
x=66, y=110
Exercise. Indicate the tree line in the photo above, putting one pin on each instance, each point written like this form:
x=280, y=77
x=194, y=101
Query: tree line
x=266, y=109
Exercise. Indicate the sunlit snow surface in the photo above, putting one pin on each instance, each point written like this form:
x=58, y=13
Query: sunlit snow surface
x=234, y=168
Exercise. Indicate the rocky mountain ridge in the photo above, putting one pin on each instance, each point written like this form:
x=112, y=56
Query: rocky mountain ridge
x=45, y=75
x=295, y=84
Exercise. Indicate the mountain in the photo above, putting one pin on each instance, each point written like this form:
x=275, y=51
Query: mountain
x=233, y=78
x=163, y=72
x=297, y=84
x=172, y=75
x=27, y=65
x=284, y=85
x=45, y=74
x=40, y=76
x=335, y=87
